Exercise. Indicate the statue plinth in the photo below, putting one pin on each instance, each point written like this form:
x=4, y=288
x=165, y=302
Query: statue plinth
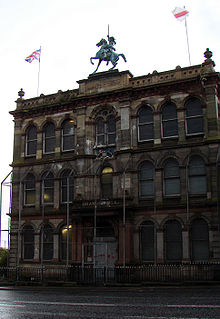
x=104, y=81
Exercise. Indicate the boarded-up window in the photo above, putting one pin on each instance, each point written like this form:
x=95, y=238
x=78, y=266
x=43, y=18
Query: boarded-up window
x=173, y=241
x=147, y=241
x=199, y=240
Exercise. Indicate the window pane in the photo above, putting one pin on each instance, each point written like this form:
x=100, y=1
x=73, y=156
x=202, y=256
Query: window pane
x=49, y=130
x=195, y=125
x=47, y=243
x=147, y=188
x=30, y=197
x=193, y=107
x=111, y=138
x=65, y=175
x=101, y=140
x=68, y=135
x=100, y=125
x=32, y=133
x=49, y=138
x=145, y=115
x=171, y=169
x=170, y=128
x=111, y=124
x=172, y=186
x=146, y=171
x=197, y=166
x=68, y=142
x=197, y=185
x=146, y=132
x=169, y=111
x=68, y=127
x=48, y=188
x=31, y=140
x=31, y=148
x=50, y=145
x=28, y=242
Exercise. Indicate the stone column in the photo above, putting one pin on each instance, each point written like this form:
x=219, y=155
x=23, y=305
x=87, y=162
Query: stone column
x=36, y=247
x=56, y=247
x=160, y=246
x=185, y=237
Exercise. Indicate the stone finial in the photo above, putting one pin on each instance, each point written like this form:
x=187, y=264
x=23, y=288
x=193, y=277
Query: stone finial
x=208, y=56
x=21, y=94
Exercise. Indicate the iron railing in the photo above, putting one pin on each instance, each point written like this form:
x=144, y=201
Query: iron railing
x=118, y=274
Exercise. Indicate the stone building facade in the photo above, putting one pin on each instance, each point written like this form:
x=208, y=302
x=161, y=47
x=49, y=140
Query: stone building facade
x=122, y=170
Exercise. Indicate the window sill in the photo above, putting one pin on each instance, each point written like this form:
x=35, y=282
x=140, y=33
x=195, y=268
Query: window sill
x=175, y=137
x=171, y=196
x=204, y=195
x=70, y=150
x=188, y=135
x=30, y=156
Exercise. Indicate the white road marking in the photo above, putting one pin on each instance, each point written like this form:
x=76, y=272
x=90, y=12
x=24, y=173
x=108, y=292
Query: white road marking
x=10, y=305
x=96, y=304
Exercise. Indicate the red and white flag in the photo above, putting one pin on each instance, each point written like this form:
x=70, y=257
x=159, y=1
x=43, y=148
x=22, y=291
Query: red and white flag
x=180, y=13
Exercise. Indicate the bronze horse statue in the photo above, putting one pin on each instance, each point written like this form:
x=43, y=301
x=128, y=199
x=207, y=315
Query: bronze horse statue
x=106, y=53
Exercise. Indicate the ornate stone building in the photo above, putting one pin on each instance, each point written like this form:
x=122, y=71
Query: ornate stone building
x=121, y=170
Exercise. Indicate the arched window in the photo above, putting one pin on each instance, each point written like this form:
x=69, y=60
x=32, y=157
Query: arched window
x=47, y=188
x=147, y=241
x=194, y=116
x=31, y=141
x=107, y=182
x=67, y=193
x=63, y=243
x=169, y=120
x=145, y=124
x=146, y=179
x=49, y=138
x=68, y=135
x=173, y=241
x=47, y=242
x=105, y=129
x=199, y=240
x=197, y=175
x=29, y=190
x=28, y=242
x=171, y=177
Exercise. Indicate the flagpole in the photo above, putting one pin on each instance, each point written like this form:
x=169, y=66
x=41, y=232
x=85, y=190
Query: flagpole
x=108, y=33
x=187, y=39
x=38, y=81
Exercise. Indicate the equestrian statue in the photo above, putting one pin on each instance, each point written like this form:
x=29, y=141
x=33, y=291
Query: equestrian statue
x=106, y=53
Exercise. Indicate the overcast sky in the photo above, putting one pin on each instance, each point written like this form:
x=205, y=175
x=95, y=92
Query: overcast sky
x=68, y=30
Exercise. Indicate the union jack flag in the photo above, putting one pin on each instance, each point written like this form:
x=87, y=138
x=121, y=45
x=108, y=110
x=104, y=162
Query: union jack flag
x=34, y=56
